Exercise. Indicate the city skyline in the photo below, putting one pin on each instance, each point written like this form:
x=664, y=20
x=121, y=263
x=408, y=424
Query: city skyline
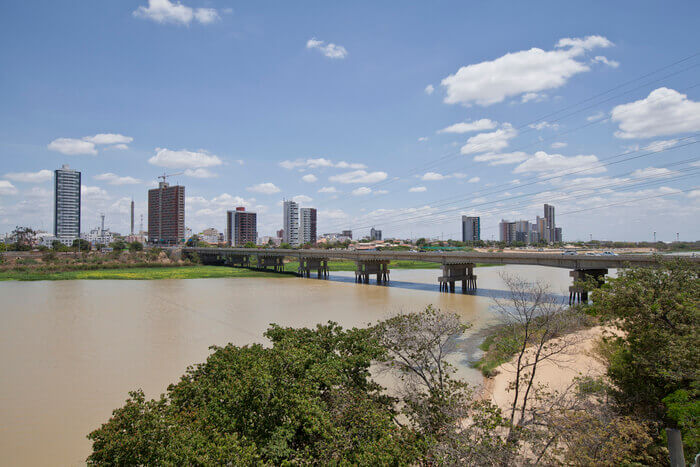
x=295, y=113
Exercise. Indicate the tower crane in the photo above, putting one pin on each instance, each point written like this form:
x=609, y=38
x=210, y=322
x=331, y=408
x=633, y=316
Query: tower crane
x=165, y=176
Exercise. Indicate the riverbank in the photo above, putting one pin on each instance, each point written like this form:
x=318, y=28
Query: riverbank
x=137, y=273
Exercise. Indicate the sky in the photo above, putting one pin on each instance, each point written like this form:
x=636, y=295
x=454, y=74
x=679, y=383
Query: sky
x=400, y=116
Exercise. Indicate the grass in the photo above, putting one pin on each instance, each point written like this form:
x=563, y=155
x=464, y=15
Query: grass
x=144, y=273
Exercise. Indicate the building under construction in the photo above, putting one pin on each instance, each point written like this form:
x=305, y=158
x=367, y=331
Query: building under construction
x=166, y=214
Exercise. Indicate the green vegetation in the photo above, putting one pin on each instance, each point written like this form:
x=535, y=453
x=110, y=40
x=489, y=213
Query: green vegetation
x=654, y=362
x=140, y=273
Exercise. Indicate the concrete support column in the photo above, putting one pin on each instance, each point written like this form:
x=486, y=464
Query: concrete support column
x=578, y=294
x=306, y=265
x=366, y=268
x=452, y=273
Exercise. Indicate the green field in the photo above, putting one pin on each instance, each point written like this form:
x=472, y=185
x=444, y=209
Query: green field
x=184, y=272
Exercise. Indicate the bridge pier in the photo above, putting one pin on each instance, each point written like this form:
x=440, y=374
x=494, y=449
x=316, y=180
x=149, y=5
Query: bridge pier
x=242, y=261
x=365, y=268
x=453, y=272
x=275, y=262
x=578, y=294
x=319, y=264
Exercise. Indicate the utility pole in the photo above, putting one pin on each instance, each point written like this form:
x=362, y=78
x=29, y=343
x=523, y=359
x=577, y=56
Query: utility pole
x=678, y=238
x=654, y=236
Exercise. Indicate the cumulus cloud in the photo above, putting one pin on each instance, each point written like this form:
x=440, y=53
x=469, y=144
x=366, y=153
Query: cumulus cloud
x=432, y=176
x=417, y=189
x=165, y=11
x=319, y=163
x=653, y=172
x=309, y=178
x=422, y=139
x=558, y=145
x=93, y=193
x=72, y=146
x=513, y=74
x=7, y=188
x=328, y=189
x=543, y=125
x=183, y=159
x=532, y=97
x=108, y=138
x=663, y=112
x=606, y=61
x=359, y=176
x=200, y=173
x=429, y=89
x=30, y=177
x=330, y=50
x=490, y=142
x=541, y=162
x=468, y=127
x=301, y=199
x=114, y=179
x=361, y=191
x=474, y=180
x=267, y=188
x=595, y=116
x=660, y=145
x=502, y=158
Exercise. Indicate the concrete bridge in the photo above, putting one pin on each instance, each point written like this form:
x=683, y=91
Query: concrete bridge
x=457, y=266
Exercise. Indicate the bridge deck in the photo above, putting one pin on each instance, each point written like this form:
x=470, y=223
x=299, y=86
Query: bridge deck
x=453, y=257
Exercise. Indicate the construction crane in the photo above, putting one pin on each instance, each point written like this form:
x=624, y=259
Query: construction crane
x=165, y=176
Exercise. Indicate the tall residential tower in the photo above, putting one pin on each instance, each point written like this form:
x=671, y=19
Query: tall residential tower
x=307, y=225
x=166, y=214
x=241, y=227
x=291, y=223
x=66, y=214
x=471, y=229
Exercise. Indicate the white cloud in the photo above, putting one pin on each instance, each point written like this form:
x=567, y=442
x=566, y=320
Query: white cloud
x=108, y=138
x=532, y=97
x=200, y=173
x=541, y=162
x=7, y=188
x=301, y=199
x=328, y=189
x=358, y=176
x=595, y=116
x=422, y=139
x=72, y=146
x=333, y=214
x=417, y=189
x=31, y=177
x=467, y=127
x=513, y=74
x=490, y=142
x=653, y=172
x=474, y=180
x=165, y=11
x=309, y=178
x=319, y=163
x=606, y=61
x=543, y=125
x=429, y=89
x=361, y=191
x=432, y=176
x=663, y=112
x=114, y=179
x=183, y=159
x=93, y=193
x=266, y=188
x=558, y=145
x=660, y=145
x=330, y=50
x=120, y=146
x=502, y=158
x=694, y=194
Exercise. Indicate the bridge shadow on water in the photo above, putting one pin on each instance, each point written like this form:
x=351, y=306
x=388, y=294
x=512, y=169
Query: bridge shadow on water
x=479, y=292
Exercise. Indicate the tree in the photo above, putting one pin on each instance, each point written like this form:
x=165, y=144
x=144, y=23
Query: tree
x=421, y=242
x=193, y=241
x=81, y=244
x=3, y=247
x=307, y=399
x=249, y=245
x=24, y=238
x=654, y=362
x=119, y=245
x=285, y=246
x=135, y=246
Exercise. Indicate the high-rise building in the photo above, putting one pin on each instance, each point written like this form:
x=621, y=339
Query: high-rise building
x=557, y=234
x=132, y=217
x=375, y=234
x=549, y=215
x=347, y=233
x=166, y=214
x=241, y=227
x=291, y=223
x=307, y=225
x=471, y=229
x=507, y=231
x=66, y=223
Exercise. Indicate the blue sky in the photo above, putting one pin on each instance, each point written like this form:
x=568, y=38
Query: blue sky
x=400, y=116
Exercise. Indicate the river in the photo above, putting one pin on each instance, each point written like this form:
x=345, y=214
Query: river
x=71, y=350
